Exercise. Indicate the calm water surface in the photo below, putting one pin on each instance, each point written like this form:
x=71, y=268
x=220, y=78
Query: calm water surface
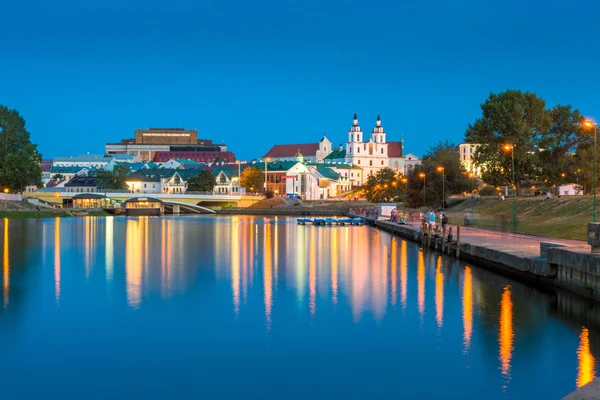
x=231, y=307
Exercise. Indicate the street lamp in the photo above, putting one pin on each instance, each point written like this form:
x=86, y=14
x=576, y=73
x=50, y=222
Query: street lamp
x=266, y=167
x=5, y=195
x=511, y=147
x=405, y=181
x=472, y=175
x=422, y=175
x=589, y=124
x=442, y=170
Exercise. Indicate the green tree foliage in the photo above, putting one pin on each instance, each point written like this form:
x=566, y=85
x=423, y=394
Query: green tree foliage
x=511, y=117
x=252, y=179
x=456, y=180
x=114, y=179
x=20, y=161
x=203, y=182
x=583, y=170
x=384, y=185
x=556, y=163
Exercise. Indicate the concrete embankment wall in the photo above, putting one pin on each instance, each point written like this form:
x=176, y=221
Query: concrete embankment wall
x=571, y=268
x=291, y=211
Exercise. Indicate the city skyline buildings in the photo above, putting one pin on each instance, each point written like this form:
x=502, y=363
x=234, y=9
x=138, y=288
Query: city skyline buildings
x=257, y=73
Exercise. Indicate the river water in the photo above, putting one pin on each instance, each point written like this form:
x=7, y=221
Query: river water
x=250, y=307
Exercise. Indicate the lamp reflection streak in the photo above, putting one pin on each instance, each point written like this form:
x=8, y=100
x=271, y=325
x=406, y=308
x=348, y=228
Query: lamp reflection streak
x=5, y=266
x=439, y=293
x=109, y=252
x=57, y=260
x=421, y=284
x=506, y=335
x=394, y=272
x=467, y=308
x=268, y=274
x=586, y=367
x=334, y=267
x=312, y=273
x=133, y=263
x=235, y=266
x=403, y=273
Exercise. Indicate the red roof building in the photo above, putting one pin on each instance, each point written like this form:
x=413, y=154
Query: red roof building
x=284, y=152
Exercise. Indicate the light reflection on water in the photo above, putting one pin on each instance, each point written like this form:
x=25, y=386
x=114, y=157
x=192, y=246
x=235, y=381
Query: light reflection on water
x=185, y=286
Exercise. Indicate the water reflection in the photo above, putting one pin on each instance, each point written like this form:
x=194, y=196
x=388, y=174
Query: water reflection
x=235, y=265
x=57, y=260
x=268, y=274
x=312, y=275
x=318, y=284
x=467, y=298
x=586, y=368
x=421, y=284
x=506, y=335
x=403, y=273
x=109, y=250
x=5, y=266
x=439, y=293
x=133, y=260
x=394, y=273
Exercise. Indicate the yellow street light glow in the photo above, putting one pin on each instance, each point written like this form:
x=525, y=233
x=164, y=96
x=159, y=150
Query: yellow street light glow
x=421, y=175
x=5, y=190
x=589, y=123
x=393, y=183
x=508, y=147
x=404, y=180
x=563, y=174
x=440, y=169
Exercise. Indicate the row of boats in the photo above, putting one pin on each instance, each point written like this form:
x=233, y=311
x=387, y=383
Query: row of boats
x=330, y=221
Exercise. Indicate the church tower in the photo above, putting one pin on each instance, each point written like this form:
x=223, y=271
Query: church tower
x=355, y=134
x=378, y=135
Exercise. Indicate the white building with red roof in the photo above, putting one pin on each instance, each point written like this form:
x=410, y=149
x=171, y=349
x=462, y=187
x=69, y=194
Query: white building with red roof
x=312, y=152
x=367, y=156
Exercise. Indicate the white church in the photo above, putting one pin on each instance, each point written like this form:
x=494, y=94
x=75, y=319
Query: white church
x=369, y=155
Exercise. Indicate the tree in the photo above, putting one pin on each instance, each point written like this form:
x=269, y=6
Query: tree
x=511, y=117
x=252, y=179
x=20, y=161
x=556, y=163
x=202, y=182
x=115, y=179
x=384, y=185
x=455, y=178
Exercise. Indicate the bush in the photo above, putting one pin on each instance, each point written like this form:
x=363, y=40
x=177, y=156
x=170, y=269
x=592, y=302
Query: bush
x=488, y=191
x=269, y=194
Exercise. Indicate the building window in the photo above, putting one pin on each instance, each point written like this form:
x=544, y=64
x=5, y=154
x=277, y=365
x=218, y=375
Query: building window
x=144, y=185
x=382, y=150
x=358, y=162
x=370, y=162
x=358, y=149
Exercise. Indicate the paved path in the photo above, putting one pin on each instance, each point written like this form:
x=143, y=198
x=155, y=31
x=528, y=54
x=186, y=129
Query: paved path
x=516, y=243
x=519, y=244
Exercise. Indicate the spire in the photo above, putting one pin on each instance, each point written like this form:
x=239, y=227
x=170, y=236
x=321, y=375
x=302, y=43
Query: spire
x=355, y=118
x=378, y=120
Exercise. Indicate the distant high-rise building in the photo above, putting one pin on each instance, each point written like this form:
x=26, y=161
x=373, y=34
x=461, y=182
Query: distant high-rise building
x=148, y=142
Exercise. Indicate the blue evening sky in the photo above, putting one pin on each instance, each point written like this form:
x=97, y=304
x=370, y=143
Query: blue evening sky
x=256, y=73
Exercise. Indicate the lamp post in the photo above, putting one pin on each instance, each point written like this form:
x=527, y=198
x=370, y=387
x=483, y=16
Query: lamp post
x=472, y=193
x=511, y=147
x=5, y=194
x=590, y=124
x=266, y=167
x=441, y=169
x=405, y=181
x=422, y=175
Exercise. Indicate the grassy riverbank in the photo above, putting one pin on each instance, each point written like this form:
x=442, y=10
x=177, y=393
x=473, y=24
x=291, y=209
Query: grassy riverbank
x=565, y=218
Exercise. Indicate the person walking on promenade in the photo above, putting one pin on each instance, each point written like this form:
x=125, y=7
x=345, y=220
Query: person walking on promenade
x=432, y=218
